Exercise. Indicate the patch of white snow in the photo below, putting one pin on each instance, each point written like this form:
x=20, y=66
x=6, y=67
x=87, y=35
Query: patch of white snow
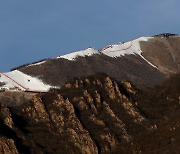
x=23, y=82
x=81, y=53
x=128, y=48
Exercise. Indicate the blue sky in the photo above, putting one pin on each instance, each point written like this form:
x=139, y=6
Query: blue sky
x=31, y=30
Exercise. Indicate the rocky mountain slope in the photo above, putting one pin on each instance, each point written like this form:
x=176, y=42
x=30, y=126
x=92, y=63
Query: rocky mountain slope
x=94, y=114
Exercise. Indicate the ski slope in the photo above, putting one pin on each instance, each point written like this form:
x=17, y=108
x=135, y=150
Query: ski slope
x=128, y=48
x=20, y=81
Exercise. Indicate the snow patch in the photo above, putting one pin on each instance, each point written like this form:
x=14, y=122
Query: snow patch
x=128, y=48
x=37, y=63
x=147, y=61
x=21, y=81
x=81, y=53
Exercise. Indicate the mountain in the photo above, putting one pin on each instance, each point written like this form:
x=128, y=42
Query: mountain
x=94, y=114
x=145, y=61
x=123, y=98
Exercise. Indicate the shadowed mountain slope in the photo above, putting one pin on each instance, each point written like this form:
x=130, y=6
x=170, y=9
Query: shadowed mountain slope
x=130, y=67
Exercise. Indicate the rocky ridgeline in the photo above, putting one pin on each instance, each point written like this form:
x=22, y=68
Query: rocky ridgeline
x=94, y=114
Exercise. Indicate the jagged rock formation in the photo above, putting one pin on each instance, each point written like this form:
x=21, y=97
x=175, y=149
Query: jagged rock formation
x=94, y=114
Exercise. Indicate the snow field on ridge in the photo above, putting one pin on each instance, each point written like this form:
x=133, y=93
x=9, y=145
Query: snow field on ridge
x=81, y=53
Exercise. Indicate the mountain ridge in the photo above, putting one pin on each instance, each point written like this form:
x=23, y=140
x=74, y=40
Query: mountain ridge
x=163, y=35
x=127, y=63
x=145, y=61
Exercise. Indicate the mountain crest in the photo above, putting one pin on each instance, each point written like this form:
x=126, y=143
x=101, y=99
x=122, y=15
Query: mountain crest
x=145, y=61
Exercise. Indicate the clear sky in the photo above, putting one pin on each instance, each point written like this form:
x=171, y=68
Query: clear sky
x=31, y=30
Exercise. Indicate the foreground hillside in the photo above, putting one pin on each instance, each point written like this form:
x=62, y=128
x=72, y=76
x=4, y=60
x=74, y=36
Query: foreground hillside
x=94, y=114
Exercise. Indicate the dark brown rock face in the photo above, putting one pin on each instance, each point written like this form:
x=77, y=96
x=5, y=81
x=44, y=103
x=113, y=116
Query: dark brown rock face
x=94, y=114
x=48, y=126
x=7, y=146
